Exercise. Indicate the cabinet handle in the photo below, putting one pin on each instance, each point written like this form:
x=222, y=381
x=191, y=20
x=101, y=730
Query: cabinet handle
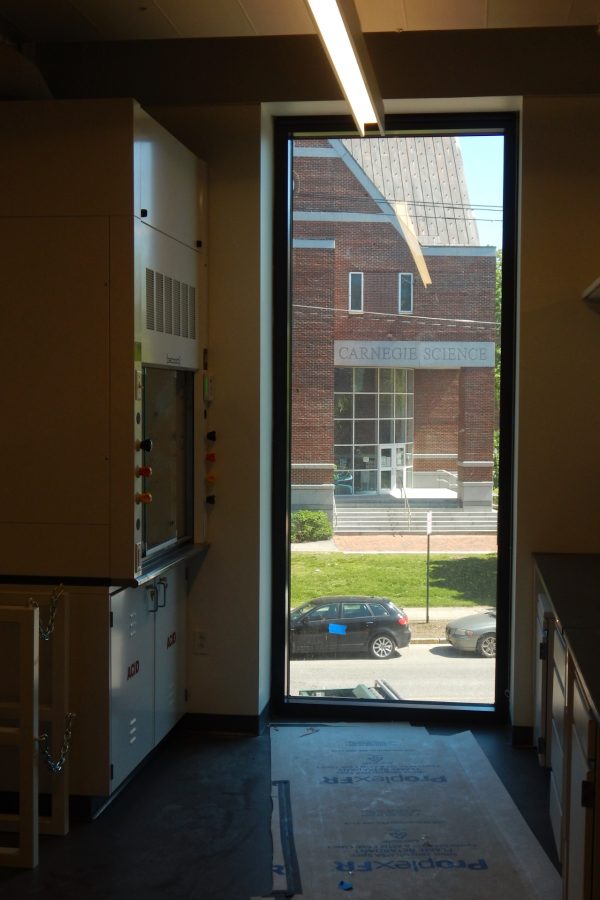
x=152, y=594
x=163, y=583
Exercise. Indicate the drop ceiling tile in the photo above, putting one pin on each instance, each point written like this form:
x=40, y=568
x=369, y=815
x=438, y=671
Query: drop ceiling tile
x=437, y=15
x=207, y=18
x=381, y=15
x=584, y=12
x=534, y=13
x=120, y=20
x=277, y=17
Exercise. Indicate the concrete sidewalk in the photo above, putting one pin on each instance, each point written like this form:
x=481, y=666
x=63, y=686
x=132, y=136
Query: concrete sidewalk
x=402, y=543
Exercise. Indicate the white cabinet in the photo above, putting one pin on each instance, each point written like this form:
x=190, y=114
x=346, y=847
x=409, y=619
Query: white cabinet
x=147, y=668
x=557, y=674
x=543, y=656
x=568, y=709
x=127, y=674
x=580, y=810
x=132, y=670
x=169, y=652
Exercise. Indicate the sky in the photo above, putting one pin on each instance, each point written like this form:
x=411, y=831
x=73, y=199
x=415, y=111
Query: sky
x=483, y=162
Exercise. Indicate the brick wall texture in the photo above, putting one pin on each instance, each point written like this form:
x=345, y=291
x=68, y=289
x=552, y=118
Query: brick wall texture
x=453, y=408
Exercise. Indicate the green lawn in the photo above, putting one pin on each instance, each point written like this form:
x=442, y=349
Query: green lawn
x=453, y=580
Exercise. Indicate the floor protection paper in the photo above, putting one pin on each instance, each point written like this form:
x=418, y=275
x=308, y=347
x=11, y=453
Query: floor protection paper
x=378, y=811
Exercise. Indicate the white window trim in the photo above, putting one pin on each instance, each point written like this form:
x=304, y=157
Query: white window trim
x=405, y=312
x=362, y=292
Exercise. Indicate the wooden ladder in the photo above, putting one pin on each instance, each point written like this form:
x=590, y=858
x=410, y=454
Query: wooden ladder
x=23, y=737
x=52, y=657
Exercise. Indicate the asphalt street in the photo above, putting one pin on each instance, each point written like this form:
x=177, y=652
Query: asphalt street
x=420, y=672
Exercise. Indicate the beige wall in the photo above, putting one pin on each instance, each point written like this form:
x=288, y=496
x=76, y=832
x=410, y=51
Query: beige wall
x=231, y=597
x=558, y=418
x=558, y=488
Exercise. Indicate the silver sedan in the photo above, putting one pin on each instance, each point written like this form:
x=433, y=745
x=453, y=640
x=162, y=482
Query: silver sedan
x=475, y=634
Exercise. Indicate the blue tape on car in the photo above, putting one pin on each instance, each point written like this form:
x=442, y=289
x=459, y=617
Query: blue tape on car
x=337, y=629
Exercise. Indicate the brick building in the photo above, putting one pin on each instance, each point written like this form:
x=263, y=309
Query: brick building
x=393, y=335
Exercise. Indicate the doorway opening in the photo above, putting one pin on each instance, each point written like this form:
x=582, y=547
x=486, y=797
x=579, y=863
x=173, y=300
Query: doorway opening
x=396, y=256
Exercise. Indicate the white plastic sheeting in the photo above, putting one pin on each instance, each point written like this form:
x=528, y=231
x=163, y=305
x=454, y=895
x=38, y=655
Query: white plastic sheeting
x=391, y=811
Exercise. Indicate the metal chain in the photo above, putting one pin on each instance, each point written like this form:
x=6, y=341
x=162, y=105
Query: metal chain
x=57, y=767
x=46, y=632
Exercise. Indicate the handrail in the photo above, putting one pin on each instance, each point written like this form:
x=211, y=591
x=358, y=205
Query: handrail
x=398, y=493
x=451, y=479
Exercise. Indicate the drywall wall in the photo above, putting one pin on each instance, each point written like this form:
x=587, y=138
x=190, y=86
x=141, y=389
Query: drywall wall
x=229, y=611
x=558, y=489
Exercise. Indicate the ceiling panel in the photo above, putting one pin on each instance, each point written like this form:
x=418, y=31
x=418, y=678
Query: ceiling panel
x=584, y=12
x=382, y=15
x=517, y=14
x=220, y=18
x=83, y=20
x=277, y=17
x=121, y=20
x=435, y=15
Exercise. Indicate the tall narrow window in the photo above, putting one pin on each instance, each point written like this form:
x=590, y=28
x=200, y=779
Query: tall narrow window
x=397, y=424
x=405, y=292
x=355, y=292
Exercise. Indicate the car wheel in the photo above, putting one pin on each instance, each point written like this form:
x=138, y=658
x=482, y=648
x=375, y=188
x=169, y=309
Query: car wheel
x=381, y=647
x=486, y=645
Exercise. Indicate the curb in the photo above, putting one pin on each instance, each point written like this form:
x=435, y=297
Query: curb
x=430, y=640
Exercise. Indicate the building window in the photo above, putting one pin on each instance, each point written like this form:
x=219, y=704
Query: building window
x=355, y=292
x=373, y=407
x=405, y=292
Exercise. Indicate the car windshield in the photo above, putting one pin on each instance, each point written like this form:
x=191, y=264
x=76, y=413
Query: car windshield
x=301, y=610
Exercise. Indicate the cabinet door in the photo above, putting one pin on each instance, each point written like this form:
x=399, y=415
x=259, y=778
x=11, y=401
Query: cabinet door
x=132, y=680
x=170, y=651
x=580, y=811
x=171, y=182
x=557, y=702
x=543, y=671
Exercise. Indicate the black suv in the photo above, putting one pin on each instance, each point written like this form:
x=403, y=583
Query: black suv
x=349, y=625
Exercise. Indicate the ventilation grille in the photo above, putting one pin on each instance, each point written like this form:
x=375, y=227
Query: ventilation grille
x=170, y=305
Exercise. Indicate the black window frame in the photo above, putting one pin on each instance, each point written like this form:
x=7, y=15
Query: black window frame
x=352, y=295
x=401, y=275
x=284, y=130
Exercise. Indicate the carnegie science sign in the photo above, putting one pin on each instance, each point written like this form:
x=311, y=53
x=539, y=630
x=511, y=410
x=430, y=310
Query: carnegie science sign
x=415, y=354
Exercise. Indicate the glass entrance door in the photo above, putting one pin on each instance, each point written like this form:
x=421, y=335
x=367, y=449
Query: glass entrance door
x=392, y=467
x=386, y=482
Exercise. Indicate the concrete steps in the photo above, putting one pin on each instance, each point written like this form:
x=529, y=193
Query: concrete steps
x=380, y=519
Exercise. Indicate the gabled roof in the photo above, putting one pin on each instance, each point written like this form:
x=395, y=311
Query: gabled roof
x=427, y=174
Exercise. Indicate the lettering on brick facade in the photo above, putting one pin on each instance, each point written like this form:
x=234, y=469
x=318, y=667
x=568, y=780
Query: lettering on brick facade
x=415, y=354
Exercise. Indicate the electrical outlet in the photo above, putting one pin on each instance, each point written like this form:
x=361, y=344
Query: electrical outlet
x=199, y=643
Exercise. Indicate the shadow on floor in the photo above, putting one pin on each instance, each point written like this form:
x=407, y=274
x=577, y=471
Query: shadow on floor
x=195, y=822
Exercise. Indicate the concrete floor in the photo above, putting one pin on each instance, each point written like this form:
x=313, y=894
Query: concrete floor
x=195, y=823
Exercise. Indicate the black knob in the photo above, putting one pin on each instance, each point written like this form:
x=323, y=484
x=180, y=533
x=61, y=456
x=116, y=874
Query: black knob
x=211, y=436
x=211, y=499
x=145, y=444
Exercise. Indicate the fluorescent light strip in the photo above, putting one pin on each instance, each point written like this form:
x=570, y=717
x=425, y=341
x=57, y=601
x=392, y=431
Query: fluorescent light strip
x=341, y=52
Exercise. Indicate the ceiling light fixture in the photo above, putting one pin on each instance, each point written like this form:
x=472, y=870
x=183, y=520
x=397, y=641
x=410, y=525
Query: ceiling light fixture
x=339, y=28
